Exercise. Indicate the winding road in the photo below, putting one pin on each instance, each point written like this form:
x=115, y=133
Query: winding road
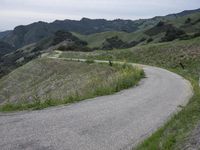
x=114, y=122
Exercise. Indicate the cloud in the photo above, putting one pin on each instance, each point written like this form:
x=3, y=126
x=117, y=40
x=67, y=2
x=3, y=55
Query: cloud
x=15, y=12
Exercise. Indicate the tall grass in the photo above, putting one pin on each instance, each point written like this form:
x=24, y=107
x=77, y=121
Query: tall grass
x=126, y=76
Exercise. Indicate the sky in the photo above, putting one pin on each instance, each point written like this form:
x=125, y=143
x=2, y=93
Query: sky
x=22, y=12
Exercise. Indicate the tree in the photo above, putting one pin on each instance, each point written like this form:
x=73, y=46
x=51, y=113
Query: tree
x=188, y=20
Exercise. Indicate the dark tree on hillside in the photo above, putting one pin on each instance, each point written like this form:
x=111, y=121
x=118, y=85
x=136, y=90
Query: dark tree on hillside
x=173, y=34
x=149, y=40
x=160, y=24
x=113, y=42
x=188, y=20
x=61, y=36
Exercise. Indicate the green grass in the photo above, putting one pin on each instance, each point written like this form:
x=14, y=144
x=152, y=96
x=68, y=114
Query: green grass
x=89, y=61
x=63, y=82
x=169, y=55
x=97, y=39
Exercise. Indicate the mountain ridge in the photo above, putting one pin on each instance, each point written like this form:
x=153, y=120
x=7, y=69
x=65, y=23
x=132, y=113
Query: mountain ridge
x=27, y=34
x=27, y=42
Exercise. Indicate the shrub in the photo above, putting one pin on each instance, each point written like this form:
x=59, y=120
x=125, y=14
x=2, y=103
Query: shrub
x=73, y=47
x=160, y=24
x=188, y=20
x=172, y=34
x=149, y=40
x=89, y=61
x=113, y=42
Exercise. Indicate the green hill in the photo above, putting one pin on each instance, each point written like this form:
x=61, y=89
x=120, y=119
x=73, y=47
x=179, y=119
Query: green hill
x=47, y=82
x=182, y=57
x=60, y=40
x=92, y=34
x=24, y=35
x=49, y=79
x=171, y=42
x=149, y=29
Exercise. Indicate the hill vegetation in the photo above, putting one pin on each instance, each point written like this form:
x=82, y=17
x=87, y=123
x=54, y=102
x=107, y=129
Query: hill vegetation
x=5, y=48
x=171, y=42
x=61, y=40
x=24, y=35
x=182, y=57
x=25, y=43
x=46, y=82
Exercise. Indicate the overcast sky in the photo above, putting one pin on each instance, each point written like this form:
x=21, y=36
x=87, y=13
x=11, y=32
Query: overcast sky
x=17, y=12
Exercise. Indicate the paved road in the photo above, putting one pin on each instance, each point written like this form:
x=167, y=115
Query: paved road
x=112, y=122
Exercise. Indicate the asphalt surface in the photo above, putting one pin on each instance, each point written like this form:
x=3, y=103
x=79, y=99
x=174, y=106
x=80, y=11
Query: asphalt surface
x=115, y=122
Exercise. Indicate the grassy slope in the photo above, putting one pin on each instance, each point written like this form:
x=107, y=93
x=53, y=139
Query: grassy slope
x=180, y=22
x=96, y=40
x=45, y=82
x=169, y=56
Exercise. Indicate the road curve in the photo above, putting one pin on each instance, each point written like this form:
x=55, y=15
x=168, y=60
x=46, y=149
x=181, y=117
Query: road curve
x=114, y=122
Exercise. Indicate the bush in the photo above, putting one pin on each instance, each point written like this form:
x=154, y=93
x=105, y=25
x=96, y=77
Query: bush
x=197, y=34
x=188, y=37
x=89, y=61
x=160, y=24
x=149, y=40
x=142, y=39
x=173, y=34
x=73, y=47
x=113, y=42
x=188, y=20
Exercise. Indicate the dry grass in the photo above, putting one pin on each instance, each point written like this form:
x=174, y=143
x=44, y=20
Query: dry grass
x=48, y=82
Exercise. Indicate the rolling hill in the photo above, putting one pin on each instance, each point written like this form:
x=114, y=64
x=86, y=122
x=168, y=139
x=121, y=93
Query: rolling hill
x=25, y=43
x=180, y=56
x=49, y=79
x=23, y=35
x=59, y=40
x=171, y=42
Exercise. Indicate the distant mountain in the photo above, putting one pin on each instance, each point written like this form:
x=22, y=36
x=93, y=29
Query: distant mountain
x=184, y=13
x=25, y=43
x=61, y=40
x=5, y=48
x=4, y=33
x=23, y=35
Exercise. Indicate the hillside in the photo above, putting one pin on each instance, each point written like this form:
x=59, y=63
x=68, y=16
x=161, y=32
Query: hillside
x=3, y=34
x=59, y=40
x=172, y=27
x=182, y=57
x=23, y=35
x=46, y=82
x=30, y=79
x=159, y=29
x=25, y=43
x=5, y=48
x=49, y=79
